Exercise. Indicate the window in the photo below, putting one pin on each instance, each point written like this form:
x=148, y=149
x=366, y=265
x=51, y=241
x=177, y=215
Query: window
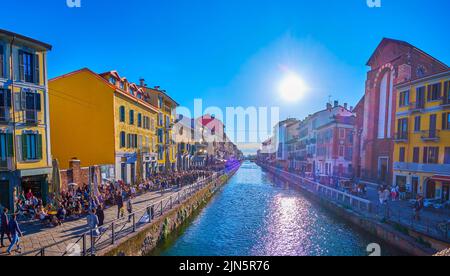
x=434, y=92
x=5, y=104
x=431, y=155
x=160, y=152
x=122, y=139
x=122, y=85
x=2, y=62
x=160, y=119
x=417, y=121
x=122, y=114
x=446, y=121
x=131, y=91
x=131, y=117
x=420, y=97
x=447, y=155
x=139, y=120
x=341, y=151
x=28, y=67
x=403, y=128
x=132, y=141
x=404, y=99
x=6, y=148
x=160, y=101
x=416, y=154
x=447, y=92
x=32, y=106
x=31, y=147
x=112, y=80
x=160, y=136
x=401, y=157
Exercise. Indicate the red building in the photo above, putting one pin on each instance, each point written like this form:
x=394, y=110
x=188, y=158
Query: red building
x=392, y=63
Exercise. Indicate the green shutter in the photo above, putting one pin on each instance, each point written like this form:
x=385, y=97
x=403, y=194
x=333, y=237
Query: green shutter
x=39, y=146
x=10, y=145
x=24, y=147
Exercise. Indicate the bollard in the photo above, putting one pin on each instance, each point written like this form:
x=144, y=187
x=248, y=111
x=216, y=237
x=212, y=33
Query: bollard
x=84, y=245
x=92, y=243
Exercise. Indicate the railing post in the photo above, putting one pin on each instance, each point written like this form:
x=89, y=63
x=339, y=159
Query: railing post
x=171, y=203
x=161, y=207
x=134, y=222
x=42, y=252
x=113, y=233
x=149, y=214
x=92, y=243
x=84, y=245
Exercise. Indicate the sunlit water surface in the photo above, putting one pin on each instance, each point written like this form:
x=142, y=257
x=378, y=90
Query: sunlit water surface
x=255, y=215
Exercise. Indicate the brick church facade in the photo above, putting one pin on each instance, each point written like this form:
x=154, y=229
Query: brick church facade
x=392, y=63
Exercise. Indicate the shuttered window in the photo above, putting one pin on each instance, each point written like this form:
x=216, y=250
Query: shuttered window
x=27, y=67
x=131, y=117
x=6, y=148
x=31, y=147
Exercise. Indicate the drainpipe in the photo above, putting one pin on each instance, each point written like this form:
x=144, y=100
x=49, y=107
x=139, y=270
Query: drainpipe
x=11, y=70
x=47, y=110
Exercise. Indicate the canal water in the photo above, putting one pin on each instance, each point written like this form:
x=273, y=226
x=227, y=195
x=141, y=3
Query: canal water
x=255, y=215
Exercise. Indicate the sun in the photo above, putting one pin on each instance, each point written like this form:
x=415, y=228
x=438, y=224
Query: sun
x=292, y=88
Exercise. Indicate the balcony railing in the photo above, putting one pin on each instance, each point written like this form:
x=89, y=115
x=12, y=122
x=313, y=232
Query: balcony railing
x=4, y=115
x=31, y=116
x=430, y=135
x=445, y=102
x=401, y=137
x=6, y=164
x=417, y=106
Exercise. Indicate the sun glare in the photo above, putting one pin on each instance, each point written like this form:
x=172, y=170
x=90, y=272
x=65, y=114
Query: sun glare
x=292, y=88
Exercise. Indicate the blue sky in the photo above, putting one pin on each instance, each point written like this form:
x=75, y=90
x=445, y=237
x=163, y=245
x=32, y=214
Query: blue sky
x=231, y=52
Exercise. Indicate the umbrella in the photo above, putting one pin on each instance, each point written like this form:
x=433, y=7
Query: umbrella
x=73, y=185
x=56, y=177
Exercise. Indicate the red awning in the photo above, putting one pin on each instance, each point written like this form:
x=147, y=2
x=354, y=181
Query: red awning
x=443, y=178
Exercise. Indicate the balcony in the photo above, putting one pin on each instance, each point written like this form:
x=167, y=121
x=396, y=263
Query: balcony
x=6, y=165
x=4, y=115
x=445, y=103
x=417, y=106
x=31, y=116
x=401, y=137
x=430, y=136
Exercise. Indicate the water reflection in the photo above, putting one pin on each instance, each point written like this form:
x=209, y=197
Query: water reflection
x=256, y=215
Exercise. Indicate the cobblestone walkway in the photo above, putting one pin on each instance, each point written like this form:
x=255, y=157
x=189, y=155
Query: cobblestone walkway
x=37, y=235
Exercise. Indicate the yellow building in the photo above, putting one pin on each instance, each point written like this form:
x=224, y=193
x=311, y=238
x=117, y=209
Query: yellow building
x=422, y=148
x=104, y=120
x=166, y=146
x=25, y=159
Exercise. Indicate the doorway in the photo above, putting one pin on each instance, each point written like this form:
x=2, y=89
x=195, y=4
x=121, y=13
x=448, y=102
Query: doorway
x=431, y=189
x=415, y=186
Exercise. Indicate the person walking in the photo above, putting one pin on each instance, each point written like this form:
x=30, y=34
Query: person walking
x=15, y=233
x=418, y=206
x=129, y=208
x=119, y=202
x=92, y=221
x=4, y=230
x=100, y=215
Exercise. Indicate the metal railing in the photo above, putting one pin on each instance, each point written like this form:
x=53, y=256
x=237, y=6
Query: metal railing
x=417, y=106
x=403, y=218
x=430, y=135
x=94, y=240
x=401, y=137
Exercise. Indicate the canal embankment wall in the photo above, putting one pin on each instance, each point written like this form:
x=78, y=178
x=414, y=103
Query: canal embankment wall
x=144, y=241
x=408, y=241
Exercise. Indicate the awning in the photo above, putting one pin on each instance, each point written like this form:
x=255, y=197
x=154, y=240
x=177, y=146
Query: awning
x=443, y=178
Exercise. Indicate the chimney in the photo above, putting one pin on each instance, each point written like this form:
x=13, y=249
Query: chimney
x=346, y=105
x=336, y=103
x=329, y=106
x=351, y=108
x=142, y=82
